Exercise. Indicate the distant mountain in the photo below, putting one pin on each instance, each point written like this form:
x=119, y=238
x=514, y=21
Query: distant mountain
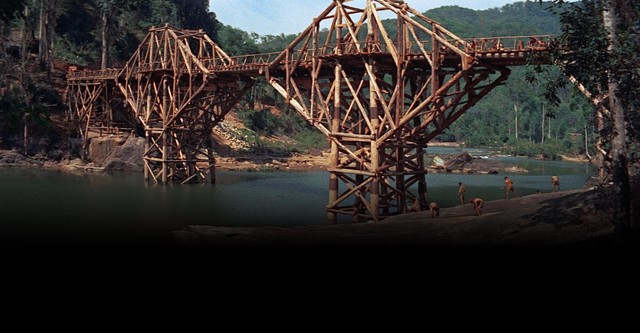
x=519, y=18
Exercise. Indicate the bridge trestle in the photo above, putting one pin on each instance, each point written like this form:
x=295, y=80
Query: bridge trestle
x=379, y=98
x=378, y=94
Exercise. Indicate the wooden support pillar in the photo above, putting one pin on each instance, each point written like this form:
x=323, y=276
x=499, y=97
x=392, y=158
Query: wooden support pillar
x=147, y=144
x=335, y=152
x=375, y=154
x=422, y=180
x=402, y=45
x=435, y=54
x=148, y=136
x=212, y=161
x=165, y=136
x=165, y=157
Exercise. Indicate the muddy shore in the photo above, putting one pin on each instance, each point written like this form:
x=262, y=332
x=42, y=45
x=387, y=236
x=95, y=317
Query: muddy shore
x=577, y=218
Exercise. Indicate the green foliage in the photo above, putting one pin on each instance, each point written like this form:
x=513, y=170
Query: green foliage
x=14, y=113
x=263, y=122
x=78, y=25
x=235, y=41
x=516, y=19
x=266, y=123
x=310, y=139
x=491, y=122
x=10, y=9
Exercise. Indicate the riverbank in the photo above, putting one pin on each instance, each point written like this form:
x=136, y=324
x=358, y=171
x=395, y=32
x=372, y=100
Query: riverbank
x=240, y=162
x=577, y=219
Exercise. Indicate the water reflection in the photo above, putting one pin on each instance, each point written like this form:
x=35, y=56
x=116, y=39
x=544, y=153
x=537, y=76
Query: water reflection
x=50, y=205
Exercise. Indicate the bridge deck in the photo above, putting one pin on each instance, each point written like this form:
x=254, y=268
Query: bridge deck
x=489, y=51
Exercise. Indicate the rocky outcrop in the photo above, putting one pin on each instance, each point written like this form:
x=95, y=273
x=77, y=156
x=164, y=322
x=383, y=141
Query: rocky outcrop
x=117, y=153
x=465, y=163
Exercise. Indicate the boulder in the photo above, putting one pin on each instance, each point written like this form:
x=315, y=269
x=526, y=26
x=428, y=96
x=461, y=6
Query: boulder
x=458, y=161
x=118, y=153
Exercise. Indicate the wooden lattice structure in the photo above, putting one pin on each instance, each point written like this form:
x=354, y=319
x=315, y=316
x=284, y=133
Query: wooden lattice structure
x=381, y=96
x=171, y=91
x=170, y=86
x=92, y=98
x=378, y=95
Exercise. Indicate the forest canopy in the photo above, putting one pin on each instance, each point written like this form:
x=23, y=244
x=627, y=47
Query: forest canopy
x=105, y=33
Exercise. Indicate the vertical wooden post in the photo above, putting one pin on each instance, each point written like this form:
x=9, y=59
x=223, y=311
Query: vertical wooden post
x=145, y=161
x=542, y=130
x=402, y=45
x=335, y=152
x=212, y=159
x=435, y=55
x=422, y=181
x=375, y=154
x=165, y=139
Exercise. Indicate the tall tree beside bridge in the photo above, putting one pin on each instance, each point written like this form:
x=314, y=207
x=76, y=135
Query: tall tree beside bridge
x=602, y=37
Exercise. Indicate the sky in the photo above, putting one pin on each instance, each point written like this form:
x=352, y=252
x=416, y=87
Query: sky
x=274, y=17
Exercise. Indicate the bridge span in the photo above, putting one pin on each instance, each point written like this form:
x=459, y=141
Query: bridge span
x=379, y=95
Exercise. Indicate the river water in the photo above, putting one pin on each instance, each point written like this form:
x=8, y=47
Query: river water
x=57, y=208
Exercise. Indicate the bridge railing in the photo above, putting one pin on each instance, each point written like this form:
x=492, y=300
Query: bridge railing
x=509, y=43
x=240, y=62
x=254, y=61
x=106, y=74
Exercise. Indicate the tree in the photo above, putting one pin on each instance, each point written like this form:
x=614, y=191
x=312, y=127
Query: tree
x=46, y=34
x=9, y=9
x=599, y=49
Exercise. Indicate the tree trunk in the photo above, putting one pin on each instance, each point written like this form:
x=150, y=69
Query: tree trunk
x=620, y=167
x=105, y=18
x=25, y=43
x=51, y=32
x=42, y=34
x=542, y=131
x=45, y=35
x=603, y=153
x=515, y=107
x=25, y=119
x=586, y=143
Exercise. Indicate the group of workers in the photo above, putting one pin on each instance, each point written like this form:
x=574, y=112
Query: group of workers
x=478, y=203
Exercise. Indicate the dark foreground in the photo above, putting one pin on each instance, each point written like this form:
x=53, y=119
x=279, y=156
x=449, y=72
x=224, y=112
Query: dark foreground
x=577, y=218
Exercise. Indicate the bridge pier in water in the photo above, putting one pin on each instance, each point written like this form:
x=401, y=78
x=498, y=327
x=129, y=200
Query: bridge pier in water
x=378, y=97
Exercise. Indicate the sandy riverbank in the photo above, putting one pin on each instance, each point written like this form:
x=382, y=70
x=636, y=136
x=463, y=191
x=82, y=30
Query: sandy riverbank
x=577, y=218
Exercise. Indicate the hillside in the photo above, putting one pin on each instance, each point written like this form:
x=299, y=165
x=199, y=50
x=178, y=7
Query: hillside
x=489, y=123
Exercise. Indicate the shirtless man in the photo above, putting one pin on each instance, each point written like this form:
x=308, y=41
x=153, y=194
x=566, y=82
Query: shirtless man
x=461, y=190
x=478, y=203
x=555, y=183
x=508, y=186
x=415, y=207
x=435, y=209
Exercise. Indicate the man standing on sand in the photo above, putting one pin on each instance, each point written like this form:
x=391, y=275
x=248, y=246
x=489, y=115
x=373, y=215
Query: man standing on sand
x=508, y=186
x=555, y=183
x=435, y=209
x=415, y=207
x=478, y=203
x=461, y=191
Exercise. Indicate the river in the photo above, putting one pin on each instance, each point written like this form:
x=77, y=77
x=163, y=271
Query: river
x=57, y=208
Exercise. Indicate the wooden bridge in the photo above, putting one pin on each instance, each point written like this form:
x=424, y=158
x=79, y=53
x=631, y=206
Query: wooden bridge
x=379, y=96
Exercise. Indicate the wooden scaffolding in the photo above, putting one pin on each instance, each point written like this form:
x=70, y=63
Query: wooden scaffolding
x=380, y=97
x=378, y=94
